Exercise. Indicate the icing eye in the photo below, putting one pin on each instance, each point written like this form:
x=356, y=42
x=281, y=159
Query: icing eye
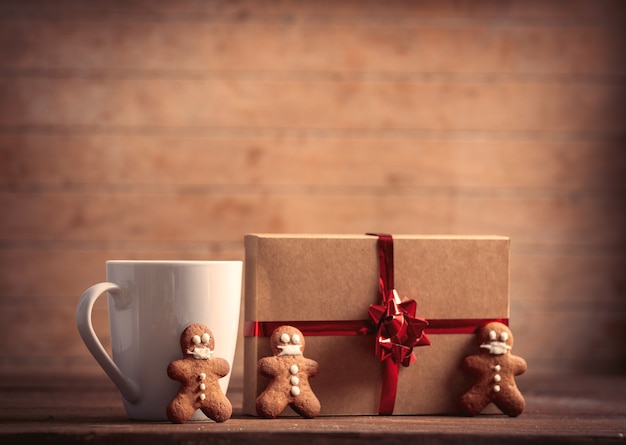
x=504, y=336
x=295, y=339
x=196, y=339
x=493, y=335
x=205, y=338
x=285, y=338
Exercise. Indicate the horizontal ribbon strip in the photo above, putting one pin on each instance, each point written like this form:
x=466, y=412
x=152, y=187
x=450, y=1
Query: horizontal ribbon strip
x=364, y=327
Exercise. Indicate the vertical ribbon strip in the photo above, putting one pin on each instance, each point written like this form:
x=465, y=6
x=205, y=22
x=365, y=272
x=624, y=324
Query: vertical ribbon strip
x=398, y=330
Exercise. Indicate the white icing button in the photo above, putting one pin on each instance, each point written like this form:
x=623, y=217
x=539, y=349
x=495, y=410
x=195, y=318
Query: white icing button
x=497, y=368
x=496, y=388
x=202, y=396
x=294, y=380
x=202, y=376
x=202, y=386
x=497, y=378
x=294, y=369
x=295, y=391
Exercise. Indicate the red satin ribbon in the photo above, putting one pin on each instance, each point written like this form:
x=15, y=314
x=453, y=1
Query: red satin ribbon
x=398, y=329
x=333, y=328
x=311, y=328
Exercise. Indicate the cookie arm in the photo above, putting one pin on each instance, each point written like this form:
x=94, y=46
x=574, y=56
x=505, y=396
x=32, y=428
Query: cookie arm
x=174, y=371
x=471, y=364
x=312, y=367
x=519, y=365
x=221, y=366
x=266, y=366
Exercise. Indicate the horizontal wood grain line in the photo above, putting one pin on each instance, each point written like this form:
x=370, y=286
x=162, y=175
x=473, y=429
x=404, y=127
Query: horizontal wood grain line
x=344, y=76
x=236, y=103
x=553, y=251
x=548, y=303
x=64, y=216
x=355, y=133
x=194, y=48
x=47, y=162
x=531, y=252
x=358, y=190
x=54, y=360
x=506, y=8
x=123, y=247
x=449, y=17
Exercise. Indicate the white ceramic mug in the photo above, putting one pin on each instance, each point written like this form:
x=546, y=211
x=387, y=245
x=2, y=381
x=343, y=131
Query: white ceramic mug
x=150, y=303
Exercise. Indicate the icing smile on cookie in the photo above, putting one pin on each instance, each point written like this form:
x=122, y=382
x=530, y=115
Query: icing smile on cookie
x=497, y=347
x=290, y=345
x=201, y=350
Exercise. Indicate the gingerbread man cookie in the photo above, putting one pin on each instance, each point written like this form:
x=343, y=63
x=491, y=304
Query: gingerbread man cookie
x=289, y=373
x=495, y=369
x=198, y=373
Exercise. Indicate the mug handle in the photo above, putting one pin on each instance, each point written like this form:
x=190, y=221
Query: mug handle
x=127, y=387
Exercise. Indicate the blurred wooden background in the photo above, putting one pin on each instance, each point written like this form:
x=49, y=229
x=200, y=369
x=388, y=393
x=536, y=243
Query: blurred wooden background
x=167, y=130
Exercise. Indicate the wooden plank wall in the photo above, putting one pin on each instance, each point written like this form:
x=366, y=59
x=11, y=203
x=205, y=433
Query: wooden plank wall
x=159, y=129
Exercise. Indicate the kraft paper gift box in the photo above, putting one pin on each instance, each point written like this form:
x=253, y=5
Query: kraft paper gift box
x=328, y=282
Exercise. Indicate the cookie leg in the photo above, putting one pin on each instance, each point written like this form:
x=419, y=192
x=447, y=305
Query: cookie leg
x=512, y=403
x=270, y=405
x=473, y=402
x=218, y=409
x=180, y=409
x=308, y=407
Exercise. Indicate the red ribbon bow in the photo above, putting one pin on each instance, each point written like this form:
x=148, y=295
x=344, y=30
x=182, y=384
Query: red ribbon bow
x=398, y=328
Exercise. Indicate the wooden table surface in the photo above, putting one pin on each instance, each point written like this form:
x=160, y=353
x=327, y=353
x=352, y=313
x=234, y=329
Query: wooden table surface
x=87, y=409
